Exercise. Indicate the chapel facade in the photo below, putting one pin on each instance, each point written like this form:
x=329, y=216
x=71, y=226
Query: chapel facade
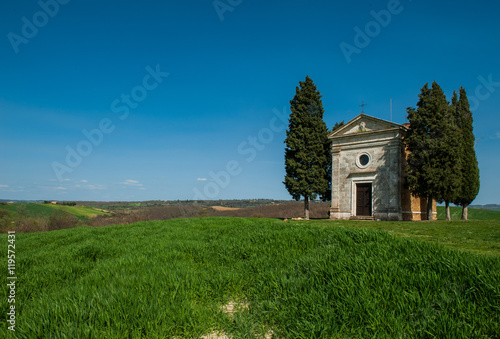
x=368, y=178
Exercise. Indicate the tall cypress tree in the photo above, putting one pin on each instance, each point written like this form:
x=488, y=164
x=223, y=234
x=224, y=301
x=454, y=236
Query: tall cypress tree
x=425, y=141
x=470, y=170
x=417, y=141
x=449, y=157
x=306, y=155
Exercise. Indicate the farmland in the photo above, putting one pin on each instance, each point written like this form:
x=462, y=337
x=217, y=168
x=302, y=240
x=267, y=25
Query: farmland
x=294, y=279
x=31, y=217
x=46, y=210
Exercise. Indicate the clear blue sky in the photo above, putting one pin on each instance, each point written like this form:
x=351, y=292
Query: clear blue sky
x=206, y=88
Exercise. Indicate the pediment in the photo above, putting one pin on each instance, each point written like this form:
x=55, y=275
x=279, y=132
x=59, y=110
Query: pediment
x=364, y=123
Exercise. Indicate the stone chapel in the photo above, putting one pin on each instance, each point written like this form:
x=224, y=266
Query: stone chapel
x=368, y=178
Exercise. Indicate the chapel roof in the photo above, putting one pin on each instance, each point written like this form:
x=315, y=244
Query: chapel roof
x=365, y=123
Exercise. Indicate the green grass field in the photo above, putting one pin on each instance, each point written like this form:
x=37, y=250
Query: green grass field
x=318, y=279
x=474, y=214
x=32, y=209
x=46, y=210
x=482, y=236
x=79, y=211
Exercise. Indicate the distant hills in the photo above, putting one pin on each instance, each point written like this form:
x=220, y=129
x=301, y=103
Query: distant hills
x=21, y=201
x=493, y=207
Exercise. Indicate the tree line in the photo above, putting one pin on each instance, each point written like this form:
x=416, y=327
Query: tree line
x=441, y=164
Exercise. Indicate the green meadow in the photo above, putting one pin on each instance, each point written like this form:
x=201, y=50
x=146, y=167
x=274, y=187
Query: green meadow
x=479, y=235
x=474, y=214
x=252, y=278
x=45, y=210
x=81, y=212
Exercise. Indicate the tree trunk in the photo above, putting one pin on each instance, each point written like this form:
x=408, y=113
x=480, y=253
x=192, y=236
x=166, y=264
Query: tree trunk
x=448, y=214
x=429, y=208
x=306, y=208
x=465, y=211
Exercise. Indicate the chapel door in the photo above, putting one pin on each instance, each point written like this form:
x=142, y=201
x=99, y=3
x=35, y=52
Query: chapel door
x=363, y=199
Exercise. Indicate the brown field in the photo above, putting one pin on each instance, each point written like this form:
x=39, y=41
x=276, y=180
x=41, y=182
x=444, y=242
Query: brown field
x=223, y=208
x=40, y=223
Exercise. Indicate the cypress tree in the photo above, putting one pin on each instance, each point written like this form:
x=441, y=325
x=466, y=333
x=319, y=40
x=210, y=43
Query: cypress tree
x=425, y=140
x=449, y=157
x=337, y=126
x=307, y=146
x=470, y=171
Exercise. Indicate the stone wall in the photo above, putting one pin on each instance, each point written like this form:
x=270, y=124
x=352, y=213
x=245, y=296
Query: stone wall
x=383, y=172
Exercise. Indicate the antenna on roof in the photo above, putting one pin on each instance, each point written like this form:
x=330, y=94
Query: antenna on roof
x=391, y=109
x=362, y=106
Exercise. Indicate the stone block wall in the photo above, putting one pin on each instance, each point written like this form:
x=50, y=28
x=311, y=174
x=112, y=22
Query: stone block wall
x=383, y=172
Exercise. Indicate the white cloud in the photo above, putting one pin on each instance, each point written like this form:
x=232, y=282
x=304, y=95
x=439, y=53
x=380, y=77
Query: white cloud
x=94, y=187
x=53, y=188
x=4, y=186
x=496, y=136
x=84, y=181
x=202, y=179
x=132, y=183
x=55, y=180
x=89, y=187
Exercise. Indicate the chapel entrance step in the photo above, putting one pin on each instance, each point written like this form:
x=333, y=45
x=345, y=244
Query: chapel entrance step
x=361, y=217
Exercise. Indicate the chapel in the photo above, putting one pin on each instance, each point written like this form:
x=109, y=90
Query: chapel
x=368, y=177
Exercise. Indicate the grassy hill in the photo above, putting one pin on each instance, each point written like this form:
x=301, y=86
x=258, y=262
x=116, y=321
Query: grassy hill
x=31, y=217
x=476, y=236
x=189, y=278
x=78, y=211
x=473, y=214
x=47, y=210
x=27, y=208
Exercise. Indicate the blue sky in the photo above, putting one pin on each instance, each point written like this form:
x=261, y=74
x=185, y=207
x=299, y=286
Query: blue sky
x=129, y=100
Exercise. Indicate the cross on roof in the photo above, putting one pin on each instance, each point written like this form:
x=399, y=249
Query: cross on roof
x=362, y=106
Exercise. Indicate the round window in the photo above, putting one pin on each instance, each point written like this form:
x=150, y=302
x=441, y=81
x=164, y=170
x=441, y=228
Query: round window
x=363, y=160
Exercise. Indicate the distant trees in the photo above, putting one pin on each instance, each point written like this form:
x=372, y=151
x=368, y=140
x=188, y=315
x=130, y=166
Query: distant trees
x=307, y=150
x=441, y=163
x=64, y=203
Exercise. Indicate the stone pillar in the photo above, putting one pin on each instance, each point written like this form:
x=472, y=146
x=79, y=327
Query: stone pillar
x=335, y=207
